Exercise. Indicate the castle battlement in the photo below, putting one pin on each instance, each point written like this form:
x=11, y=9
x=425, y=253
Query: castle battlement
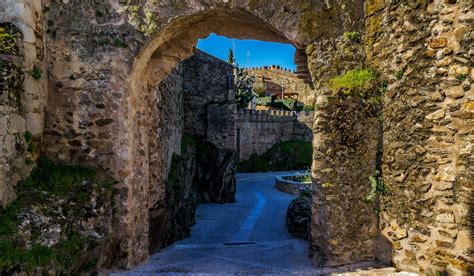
x=265, y=116
x=271, y=69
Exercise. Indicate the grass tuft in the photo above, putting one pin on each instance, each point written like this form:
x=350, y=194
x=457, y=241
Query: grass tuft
x=352, y=79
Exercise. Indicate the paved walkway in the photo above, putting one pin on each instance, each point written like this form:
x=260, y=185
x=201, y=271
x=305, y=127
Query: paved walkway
x=247, y=237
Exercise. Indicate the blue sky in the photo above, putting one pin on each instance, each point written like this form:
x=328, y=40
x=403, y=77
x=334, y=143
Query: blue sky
x=249, y=53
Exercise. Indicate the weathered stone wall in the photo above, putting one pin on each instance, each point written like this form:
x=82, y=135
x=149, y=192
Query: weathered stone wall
x=22, y=97
x=288, y=79
x=209, y=99
x=258, y=131
x=424, y=51
x=346, y=135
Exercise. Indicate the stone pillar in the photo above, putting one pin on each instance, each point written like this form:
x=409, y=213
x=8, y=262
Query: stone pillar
x=346, y=134
x=22, y=91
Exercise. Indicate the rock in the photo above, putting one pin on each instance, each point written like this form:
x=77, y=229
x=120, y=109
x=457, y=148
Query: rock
x=439, y=42
x=445, y=218
x=436, y=115
x=298, y=216
x=216, y=173
x=455, y=92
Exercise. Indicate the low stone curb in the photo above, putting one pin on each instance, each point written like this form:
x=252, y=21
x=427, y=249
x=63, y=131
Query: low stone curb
x=289, y=186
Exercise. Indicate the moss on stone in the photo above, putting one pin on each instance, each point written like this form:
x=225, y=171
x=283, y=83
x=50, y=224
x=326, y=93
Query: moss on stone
x=253, y=4
x=187, y=140
x=352, y=79
x=56, y=178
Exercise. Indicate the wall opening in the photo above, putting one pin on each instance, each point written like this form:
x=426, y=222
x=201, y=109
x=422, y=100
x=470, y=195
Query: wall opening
x=177, y=118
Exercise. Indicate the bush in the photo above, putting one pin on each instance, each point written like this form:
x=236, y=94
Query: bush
x=290, y=155
x=308, y=107
x=36, y=72
x=354, y=36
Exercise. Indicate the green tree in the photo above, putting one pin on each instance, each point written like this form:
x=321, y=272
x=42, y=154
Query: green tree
x=243, y=88
x=230, y=57
x=259, y=88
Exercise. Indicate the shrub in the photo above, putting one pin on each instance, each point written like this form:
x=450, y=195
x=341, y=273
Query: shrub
x=7, y=40
x=354, y=36
x=36, y=72
x=461, y=77
x=117, y=42
x=290, y=155
x=377, y=187
x=308, y=107
x=399, y=74
x=259, y=88
x=264, y=101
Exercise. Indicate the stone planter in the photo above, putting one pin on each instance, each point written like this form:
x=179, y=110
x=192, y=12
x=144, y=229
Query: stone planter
x=289, y=186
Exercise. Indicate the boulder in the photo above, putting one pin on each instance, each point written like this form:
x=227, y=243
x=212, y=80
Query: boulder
x=298, y=216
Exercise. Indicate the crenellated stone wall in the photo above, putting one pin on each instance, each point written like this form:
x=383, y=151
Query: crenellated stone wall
x=258, y=131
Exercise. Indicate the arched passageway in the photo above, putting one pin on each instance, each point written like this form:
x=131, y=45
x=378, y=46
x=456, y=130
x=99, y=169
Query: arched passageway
x=155, y=61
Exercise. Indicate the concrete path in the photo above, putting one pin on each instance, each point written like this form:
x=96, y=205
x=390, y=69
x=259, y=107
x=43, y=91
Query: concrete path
x=246, y=238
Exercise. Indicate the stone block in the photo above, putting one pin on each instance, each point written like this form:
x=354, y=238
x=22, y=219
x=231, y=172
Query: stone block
x=3, y=125
x=17, y=124
x=34, y=123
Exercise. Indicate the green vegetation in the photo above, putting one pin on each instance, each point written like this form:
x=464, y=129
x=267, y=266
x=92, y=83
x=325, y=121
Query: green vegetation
x=283, y=104
x=377, y=187
x=36, y=72
x=117, y=42
x=173, y=173
x=461, y=77
x=259, y=88
x=354, y=36
x=290, y=155
x=243, y=93
x=230, y=57
x=264, y=101
x=7, y=39
x=58, y=179
x=399, y=74
x=46, y=180
x=13, y=256
x=30, y=146
x=186, y=141
x=382, y=86
x=353, y=79
x=308, y=107
x=299, y=178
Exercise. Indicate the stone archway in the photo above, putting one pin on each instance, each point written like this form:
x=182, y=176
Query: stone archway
x=157, y=59
x=335, y=242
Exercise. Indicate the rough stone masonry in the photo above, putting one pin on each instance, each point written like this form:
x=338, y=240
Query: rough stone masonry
x=93, y=68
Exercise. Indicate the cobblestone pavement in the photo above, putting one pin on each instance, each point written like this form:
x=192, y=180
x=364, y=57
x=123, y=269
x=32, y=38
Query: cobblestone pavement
x=245, y=238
